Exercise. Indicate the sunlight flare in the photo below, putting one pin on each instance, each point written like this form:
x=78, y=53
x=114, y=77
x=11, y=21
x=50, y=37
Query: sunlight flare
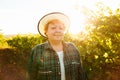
x=77, y=22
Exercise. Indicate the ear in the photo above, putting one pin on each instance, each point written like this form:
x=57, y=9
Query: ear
x=45, y=33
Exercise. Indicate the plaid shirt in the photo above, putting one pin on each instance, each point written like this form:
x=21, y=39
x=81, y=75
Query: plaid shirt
x=44, y=63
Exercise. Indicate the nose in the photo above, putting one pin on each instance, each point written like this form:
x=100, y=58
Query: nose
x=58, y=29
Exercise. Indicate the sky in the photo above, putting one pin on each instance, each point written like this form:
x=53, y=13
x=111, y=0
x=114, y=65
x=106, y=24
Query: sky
x=22, y=16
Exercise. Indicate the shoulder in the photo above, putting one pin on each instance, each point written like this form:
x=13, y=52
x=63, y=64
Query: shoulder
x=36, y=49
x=39, y=46
x=70, y=44
x=72, y=48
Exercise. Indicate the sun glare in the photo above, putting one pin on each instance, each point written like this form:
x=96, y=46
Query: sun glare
x=78, y=18
x=77, y=23
x=13, y=19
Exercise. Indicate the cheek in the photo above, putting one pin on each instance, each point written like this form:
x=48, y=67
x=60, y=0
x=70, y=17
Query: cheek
x=49, y=33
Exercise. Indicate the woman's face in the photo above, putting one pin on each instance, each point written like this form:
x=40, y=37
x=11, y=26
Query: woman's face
x=55, y=30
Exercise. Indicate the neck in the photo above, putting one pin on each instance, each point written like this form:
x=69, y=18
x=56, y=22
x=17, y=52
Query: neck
x=56, y=45
x=55, y=42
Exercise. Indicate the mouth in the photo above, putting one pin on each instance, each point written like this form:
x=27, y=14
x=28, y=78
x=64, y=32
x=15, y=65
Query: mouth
x=58, y=34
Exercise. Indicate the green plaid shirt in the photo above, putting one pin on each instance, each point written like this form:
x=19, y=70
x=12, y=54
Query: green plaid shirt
x=44, y=63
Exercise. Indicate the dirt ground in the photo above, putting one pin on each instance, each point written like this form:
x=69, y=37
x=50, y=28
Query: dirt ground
x=10, y=67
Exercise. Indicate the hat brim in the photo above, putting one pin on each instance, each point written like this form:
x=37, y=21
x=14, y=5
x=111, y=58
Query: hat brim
x=52, y=16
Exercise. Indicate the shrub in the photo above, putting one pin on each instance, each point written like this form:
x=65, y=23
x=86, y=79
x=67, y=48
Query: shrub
x=25, y=42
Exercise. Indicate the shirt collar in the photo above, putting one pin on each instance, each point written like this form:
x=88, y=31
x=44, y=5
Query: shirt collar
x=48, y=46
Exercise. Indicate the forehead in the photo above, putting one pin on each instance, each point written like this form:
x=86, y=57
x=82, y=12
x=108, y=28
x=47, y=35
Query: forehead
x=55, y=21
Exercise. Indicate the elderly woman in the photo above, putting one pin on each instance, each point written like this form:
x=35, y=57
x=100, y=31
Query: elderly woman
x=55, y=59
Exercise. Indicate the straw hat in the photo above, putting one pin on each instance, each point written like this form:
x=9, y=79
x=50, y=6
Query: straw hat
x=52, y=16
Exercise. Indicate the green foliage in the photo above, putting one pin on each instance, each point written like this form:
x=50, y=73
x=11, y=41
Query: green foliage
x=2, y=41
x=25, y=42
x=101, y=50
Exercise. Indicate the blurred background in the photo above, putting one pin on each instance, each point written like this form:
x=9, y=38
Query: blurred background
x=94, y=29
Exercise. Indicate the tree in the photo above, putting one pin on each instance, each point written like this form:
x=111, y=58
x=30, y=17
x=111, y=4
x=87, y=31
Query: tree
x=102, y=53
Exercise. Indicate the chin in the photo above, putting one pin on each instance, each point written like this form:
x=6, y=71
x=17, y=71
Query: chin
x=58, y=39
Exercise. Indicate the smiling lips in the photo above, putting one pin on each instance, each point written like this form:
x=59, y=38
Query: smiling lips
x=58, y=34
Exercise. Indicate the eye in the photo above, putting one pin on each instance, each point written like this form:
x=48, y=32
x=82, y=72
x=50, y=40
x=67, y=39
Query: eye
x=61, y=28
x=53, y=27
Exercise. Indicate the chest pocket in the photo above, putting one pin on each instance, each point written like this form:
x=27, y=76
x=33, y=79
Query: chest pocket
x=48, y=65
x=72, y=65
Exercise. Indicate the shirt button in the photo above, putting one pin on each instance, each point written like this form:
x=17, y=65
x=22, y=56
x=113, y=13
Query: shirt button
x=59, y=73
